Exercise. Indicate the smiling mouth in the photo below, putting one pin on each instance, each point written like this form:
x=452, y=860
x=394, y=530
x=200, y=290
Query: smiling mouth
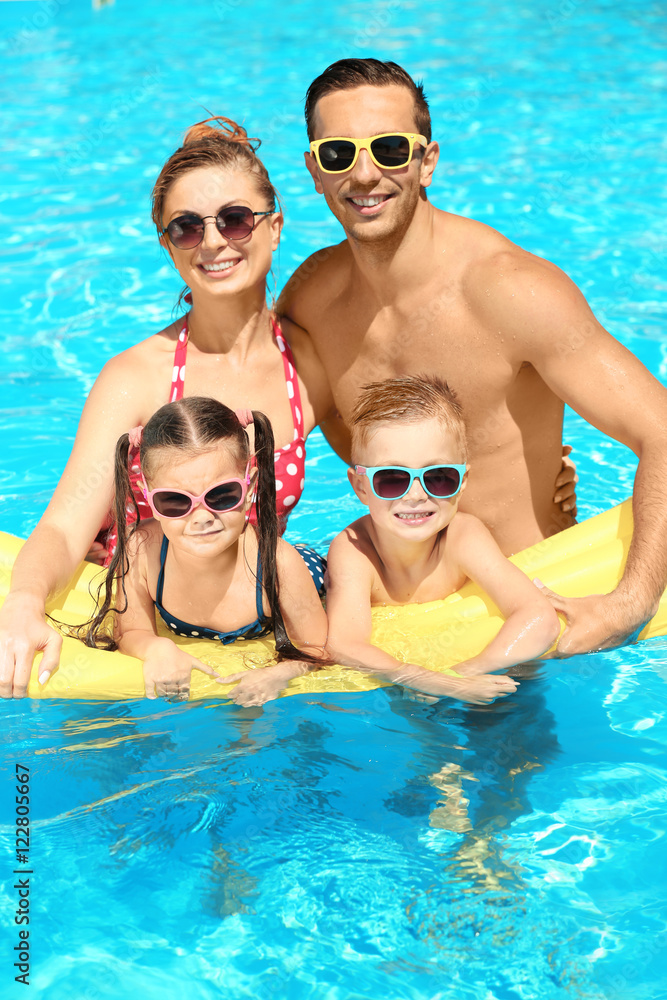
x=224, y=265
x=370, y=201
x=415, y=515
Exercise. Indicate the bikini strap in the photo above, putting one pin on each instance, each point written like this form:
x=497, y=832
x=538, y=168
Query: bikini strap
x=293, y=390
x=178, y=373
x=160, y=579
x=259, y=589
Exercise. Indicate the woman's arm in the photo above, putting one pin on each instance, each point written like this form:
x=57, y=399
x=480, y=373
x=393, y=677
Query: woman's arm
x=350, y=627
x=531, y=625
x=63, y=536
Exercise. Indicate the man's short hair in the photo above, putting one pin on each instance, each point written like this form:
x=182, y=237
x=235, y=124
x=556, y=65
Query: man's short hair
x=346, y=74
x=407, y=399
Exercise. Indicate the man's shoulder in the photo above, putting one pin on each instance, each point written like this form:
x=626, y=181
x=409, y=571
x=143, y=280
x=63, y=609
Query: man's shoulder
x=494, y=262
x=317, y=281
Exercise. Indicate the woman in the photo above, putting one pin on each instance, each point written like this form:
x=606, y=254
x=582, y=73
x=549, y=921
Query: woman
x=217, y=216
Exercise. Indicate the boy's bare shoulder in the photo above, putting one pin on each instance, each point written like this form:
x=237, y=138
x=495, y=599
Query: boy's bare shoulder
x=465, y=529
x=353, y=543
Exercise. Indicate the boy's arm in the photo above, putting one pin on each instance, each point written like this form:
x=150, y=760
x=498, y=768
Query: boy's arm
x=350, y=626
x=531, y=625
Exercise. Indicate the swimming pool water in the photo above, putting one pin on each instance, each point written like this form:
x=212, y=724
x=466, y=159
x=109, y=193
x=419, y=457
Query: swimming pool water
x=352, y=846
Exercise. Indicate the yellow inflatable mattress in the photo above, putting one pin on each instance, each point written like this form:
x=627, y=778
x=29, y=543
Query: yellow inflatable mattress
x=585, y=559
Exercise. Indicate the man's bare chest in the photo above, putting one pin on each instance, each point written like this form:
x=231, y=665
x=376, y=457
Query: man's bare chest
x=434, y=338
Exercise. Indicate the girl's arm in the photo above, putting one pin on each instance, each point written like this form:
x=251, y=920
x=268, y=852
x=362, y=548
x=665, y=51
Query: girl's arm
x=350, y=626
x=306, y=624
x=64, y=534
x=531, y=625
x=166, y=667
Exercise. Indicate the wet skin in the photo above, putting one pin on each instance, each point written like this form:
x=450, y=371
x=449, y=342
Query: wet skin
x=413, y=289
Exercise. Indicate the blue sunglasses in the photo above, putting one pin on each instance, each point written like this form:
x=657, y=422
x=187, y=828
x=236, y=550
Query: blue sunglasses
x=390, y=482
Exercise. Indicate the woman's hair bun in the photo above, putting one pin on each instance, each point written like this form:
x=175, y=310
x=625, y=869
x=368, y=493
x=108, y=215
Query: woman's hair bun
x=224, y=128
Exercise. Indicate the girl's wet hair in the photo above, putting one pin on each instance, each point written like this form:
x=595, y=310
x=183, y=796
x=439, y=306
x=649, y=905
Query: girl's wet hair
x=224, y=144
x=189, y=427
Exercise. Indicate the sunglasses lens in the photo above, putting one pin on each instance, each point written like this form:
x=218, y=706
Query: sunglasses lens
x=391, y=150
x=391, y=483
x=171, y=504
x=186, y=232
x=442, y=482
x=235, y=223
x=338, y=154
x=224, y=497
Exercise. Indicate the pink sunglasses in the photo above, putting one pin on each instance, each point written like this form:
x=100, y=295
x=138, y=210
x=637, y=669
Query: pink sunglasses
x=219, y=499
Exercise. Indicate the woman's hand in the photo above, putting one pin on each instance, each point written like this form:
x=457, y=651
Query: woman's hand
x=566, y=484
x=256, y=687
x=23, y=632
x=167, y=671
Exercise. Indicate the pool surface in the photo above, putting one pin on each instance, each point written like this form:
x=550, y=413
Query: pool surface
x=352, y=846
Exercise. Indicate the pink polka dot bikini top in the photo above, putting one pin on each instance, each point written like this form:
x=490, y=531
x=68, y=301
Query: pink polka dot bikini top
x=290, y=461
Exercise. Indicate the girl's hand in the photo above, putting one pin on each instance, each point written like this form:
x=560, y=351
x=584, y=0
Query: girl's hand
x=167, y=672
x=263, y=684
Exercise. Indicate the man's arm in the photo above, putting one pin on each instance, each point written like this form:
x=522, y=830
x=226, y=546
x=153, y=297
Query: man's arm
x=317, y=398
x=555, y=330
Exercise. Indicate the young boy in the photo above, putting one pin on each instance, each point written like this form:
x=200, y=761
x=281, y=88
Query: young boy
x=409, y=450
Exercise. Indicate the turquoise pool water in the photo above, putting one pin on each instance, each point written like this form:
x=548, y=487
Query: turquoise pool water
x=348, y=847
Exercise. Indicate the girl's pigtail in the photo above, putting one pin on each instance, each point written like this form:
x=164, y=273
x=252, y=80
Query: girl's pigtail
x=96, y=631
x=267, y=536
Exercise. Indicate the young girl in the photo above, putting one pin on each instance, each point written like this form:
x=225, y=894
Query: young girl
x=207, y=573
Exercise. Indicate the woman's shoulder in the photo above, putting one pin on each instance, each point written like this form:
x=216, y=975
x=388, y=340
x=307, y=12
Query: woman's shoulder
x=143, y=356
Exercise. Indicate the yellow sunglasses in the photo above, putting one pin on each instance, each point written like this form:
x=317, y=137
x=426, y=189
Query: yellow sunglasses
x=389, y=151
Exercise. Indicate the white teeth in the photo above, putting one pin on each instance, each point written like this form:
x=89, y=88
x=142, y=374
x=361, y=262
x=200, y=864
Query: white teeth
x=224, y=266
x=414, y=516
x=367, y=202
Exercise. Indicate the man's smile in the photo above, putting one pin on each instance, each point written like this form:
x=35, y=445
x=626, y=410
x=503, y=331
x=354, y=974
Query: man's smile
x=368, y=204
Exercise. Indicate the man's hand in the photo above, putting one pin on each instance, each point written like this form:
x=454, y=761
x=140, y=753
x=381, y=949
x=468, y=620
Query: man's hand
x=601, y=621
x=566, y=484
x=97, y=553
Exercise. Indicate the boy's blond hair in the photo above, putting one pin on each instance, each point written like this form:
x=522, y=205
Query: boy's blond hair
x=408, y=399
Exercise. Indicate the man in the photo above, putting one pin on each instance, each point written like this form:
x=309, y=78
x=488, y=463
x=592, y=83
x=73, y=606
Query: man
x=415, y=289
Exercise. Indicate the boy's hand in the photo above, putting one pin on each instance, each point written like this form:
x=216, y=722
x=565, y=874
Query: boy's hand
x=479, y=690
x=263, y=684
x=167, y=672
